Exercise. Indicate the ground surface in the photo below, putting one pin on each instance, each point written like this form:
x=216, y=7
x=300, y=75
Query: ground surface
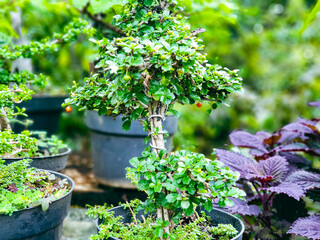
x=77, y=226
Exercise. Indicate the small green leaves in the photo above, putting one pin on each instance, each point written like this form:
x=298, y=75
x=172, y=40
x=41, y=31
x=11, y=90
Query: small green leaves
x=22, y=187
x=187, y=178
x=158, y=58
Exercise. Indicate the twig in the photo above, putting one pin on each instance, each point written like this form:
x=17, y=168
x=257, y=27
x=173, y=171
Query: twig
x=99, y=20
x=133, y=214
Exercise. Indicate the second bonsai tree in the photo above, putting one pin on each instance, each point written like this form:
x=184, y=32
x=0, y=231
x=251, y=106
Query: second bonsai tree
x=156, y=62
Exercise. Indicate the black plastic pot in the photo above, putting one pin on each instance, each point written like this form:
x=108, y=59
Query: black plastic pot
x=35, y=224
x=217, y=216
x=54, y=163
x=112, y=147
x=44, y=111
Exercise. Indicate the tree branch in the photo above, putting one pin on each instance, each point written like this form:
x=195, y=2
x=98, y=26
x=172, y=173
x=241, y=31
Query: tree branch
x=98, y=19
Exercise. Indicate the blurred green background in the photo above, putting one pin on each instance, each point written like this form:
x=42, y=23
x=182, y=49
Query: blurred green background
x=280, y=66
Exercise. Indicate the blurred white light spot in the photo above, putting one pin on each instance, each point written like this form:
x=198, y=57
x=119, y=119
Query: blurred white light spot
x=258, y=28
x=276, y=8
x=308, y=53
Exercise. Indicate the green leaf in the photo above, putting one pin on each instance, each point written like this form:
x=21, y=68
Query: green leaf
x=186, y=179
x=137, y=61
x=159, y=232
x=229, y=202
x=136, y=113
x=143, y=184
x=44, y=204
x=126, y=125
x=208, y=205
x=191, y=189
x=219, y=184
x=143, y=98
x=148, y=3
x=169, y=186
x=134, y=162
x=158, y=187
x=185, y=204
x=311, y=16
x=172, y=197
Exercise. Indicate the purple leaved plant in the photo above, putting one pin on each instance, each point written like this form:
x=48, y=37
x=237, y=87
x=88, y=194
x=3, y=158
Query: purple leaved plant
x=308, y=227
x=275, y=164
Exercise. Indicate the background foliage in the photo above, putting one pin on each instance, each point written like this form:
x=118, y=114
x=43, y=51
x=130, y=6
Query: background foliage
x=278, y=63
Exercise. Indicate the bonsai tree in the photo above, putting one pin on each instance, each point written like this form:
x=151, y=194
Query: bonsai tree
x=155, y=62
x=15, y=87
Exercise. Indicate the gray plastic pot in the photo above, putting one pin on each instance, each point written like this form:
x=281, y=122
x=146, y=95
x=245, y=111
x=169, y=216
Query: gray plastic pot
x=35, y=224
x=112, y=147
x=218, y=216
x=45, y=112
x=54, y=163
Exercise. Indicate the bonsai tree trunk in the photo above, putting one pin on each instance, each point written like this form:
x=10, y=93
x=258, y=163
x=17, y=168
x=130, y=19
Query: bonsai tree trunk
x=4, y=121
x=157, y=111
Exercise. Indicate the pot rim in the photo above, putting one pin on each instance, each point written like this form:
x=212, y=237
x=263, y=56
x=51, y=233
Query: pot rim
x=66, y=151
x=60, y=175
x=96, y=221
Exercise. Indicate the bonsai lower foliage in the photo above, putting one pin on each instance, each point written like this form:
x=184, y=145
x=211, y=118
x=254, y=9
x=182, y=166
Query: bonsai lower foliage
x=28, y=144
x=23, y=187
x=155, y=62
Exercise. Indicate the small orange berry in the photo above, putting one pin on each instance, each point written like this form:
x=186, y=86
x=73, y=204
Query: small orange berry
x=199, y=104
x=68, y=109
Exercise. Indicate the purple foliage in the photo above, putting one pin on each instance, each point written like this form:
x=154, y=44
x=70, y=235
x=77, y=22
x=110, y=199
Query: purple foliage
x=274, y=169
x=295, y=159
x=300, y=136
x=12, y=187
x=274, y=166
x=234, y=161
x=291, y=189
x=306, y=180
x=307, y=227
x=316, y=104
x=241, y=207
x=263, y=135
x=244, y=139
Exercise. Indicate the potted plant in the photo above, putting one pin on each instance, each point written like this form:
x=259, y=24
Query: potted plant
x=276, y=173
x=23, y=188
x=112, y=147
x=15, y=88
x=155, y=62
x=33, y=203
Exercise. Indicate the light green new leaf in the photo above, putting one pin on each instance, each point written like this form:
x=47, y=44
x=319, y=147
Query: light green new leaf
x=311, y=16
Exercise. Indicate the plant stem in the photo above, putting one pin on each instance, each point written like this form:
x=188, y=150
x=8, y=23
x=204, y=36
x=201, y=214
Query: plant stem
x=4, y=121
x=157, y=111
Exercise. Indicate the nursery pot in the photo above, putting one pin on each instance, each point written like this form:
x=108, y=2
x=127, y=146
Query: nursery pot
x=44, y=111
x=218, y=217
x=35, y=224
x=54, y=162
x=112, y=147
